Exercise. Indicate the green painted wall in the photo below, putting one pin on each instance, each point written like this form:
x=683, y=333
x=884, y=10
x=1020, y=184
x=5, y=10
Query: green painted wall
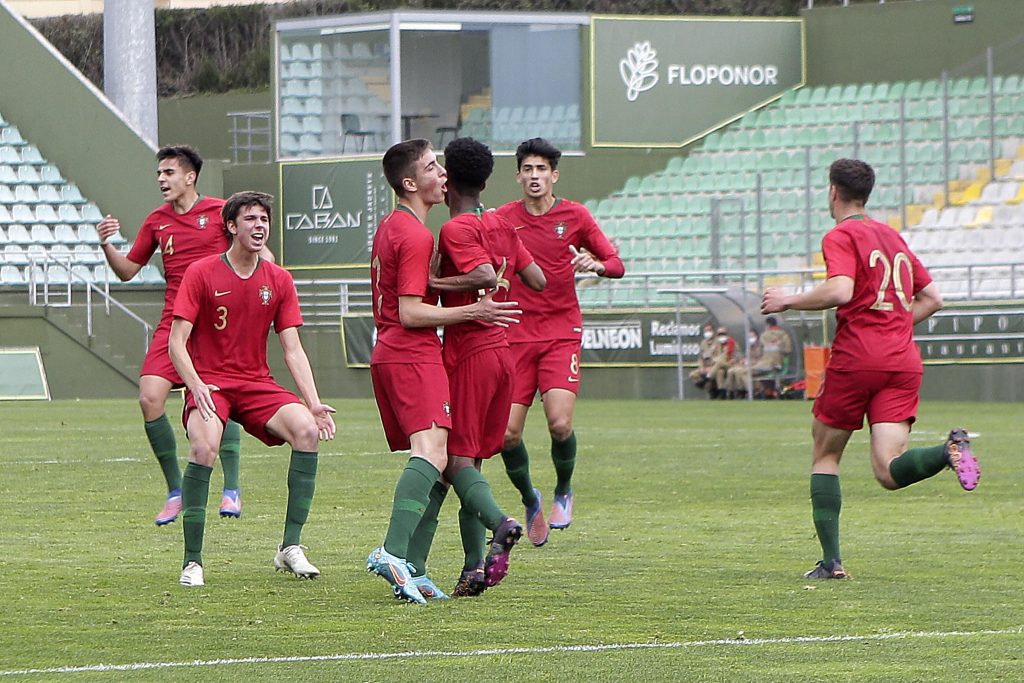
x=910, y=39
x=202, y=120
x=73, y=125
x=71, y=369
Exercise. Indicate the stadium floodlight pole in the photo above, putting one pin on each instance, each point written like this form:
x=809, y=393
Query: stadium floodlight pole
x=129, y=63
x=680, y=293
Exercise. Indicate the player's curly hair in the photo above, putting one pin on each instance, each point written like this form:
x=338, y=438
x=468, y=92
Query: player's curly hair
x=187, y=157
x=469, y=164
x=538, y=147
x=853, y=179
x=243, y=200
x=399, y=162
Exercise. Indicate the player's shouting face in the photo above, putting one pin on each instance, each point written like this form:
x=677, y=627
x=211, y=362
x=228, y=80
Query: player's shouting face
x=429, y=178
x=174, y=181
x=251, y=228
x=537, y=177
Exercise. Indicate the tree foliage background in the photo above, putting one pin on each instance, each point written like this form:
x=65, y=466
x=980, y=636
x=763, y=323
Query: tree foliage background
x=228, y=48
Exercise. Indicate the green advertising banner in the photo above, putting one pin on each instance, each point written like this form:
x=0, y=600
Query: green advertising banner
x=985, y=335
x=329, y=212
x=662, y=82
x=619, y=339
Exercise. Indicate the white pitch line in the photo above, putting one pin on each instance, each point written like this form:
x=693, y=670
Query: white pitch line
x=381, y=656
x=67, y=462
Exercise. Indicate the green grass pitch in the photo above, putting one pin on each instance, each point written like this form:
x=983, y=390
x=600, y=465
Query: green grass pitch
x=692, y=530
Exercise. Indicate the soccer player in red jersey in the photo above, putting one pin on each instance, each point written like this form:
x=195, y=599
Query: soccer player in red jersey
x=218, y=344
x=565, y=240
x=409, y=379
x=478, y=252
x=880, y=290
x=185, y=228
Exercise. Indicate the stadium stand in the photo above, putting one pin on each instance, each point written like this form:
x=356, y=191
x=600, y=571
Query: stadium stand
x=702, y=212
x=47, y=228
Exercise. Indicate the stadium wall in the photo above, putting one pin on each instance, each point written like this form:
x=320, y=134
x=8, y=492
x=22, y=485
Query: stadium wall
x=896, y=41
x=202, y=120
x=72, y=123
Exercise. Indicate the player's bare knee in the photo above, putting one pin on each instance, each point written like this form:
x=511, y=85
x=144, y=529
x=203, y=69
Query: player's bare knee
x=305, y=436
x=512, y=439
x=560, y=428
x=152, y=405
x=203, y=453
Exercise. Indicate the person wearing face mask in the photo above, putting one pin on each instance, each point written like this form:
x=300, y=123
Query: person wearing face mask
x=724, y=358
x=701, y=375
x=736, y=375
x=777, y=346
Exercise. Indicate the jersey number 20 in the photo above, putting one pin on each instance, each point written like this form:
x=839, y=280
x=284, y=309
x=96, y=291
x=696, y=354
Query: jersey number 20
x=894, y=273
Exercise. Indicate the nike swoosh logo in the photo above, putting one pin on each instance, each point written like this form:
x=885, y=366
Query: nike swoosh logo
x=165, y=225
x=216, y=293
x=571, y=379
x=399, y=579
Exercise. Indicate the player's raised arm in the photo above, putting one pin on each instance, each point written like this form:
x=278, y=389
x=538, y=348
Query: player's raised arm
x=123, y=267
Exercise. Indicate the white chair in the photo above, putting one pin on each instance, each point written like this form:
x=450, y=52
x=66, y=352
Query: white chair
x=41, y=234
x=11, y=275
x=18, y=234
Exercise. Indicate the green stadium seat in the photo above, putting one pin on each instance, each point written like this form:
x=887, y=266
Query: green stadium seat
x=632, y=185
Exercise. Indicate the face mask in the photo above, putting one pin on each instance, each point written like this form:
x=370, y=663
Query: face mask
x=709, y=335
x=722, y=339
x=752, y=339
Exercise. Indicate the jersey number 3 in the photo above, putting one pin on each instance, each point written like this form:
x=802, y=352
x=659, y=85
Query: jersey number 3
x=891, y=272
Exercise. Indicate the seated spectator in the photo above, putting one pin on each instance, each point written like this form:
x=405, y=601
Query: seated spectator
x=777, y=347
x=723, y=359
x=705, y=357
x=736, y=375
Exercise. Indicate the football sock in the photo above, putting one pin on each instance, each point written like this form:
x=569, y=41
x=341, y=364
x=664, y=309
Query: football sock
x=423, y=537
x=412, y=494
x=826, y=502
x=195, y=490
x=917, y=464
x=230, y=448
x=161, y=440
x=517, y=465
x=474, y=538
x=301, y=485
x=475, y=494
x=563, y=455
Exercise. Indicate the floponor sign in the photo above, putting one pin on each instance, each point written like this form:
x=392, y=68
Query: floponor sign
x=660, y=82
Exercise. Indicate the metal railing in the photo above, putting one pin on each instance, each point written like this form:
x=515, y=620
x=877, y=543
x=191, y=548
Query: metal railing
x=250, y=137
x=56, y=291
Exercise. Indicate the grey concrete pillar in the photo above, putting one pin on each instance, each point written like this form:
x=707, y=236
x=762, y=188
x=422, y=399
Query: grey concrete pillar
x=129, y=62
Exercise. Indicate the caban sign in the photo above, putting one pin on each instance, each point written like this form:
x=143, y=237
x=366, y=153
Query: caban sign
x=645, y=71
x=330, y=211
x=322, y=215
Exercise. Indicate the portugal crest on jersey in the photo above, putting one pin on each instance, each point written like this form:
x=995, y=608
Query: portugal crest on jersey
x=202, y=221
x=560, y=230
x=266, y=295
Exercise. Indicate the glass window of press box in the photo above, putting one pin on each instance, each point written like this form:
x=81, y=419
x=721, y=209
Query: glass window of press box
x=356, y=84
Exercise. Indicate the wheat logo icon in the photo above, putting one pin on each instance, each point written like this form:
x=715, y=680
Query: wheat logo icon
x=639, y=69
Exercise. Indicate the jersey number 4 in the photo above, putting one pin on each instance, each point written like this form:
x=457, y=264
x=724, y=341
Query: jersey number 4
x=891, y=272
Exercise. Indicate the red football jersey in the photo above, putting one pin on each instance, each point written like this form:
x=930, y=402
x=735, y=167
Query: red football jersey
x=231, y=316
x=181, y=239
x=555, y=312
x=467, y=241
x=875, y=329
x=400, y=266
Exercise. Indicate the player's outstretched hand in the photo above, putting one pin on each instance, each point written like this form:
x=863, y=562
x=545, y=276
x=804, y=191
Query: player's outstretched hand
x=107, y=228
x=584, y=262
x=324, y=421
x=203, y=400
x=773, y=301
x=501, y=313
